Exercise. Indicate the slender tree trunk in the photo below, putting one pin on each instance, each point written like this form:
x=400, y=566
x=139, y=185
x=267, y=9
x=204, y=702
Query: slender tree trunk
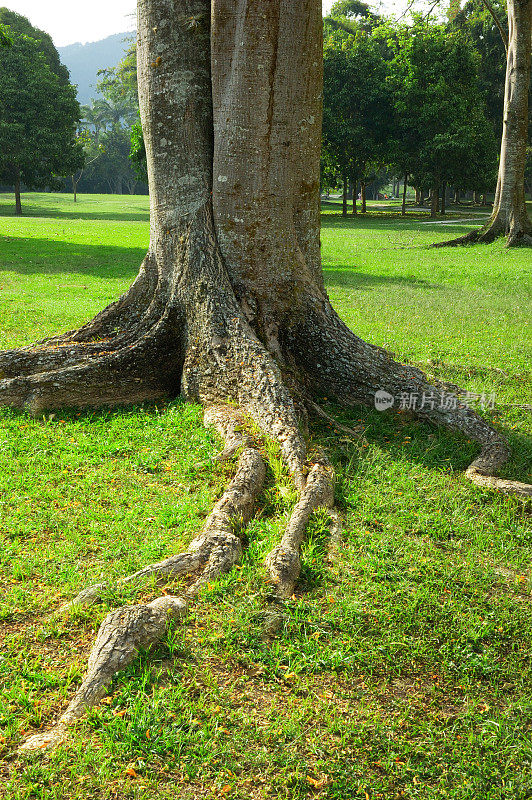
x=456, y=200
x=403, y=205
x=509, y=216
x=354, y=201
x=18, y=200
x=344, y=197
x=443, y=197
x=435, y=200
x=363, y=197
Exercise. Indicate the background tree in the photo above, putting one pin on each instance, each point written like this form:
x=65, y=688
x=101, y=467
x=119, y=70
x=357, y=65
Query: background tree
x=510, y=216
x=110, y=125
x=21, y=25
x=440, y=111
x=229, y=303
x=357, y=105
x=38, y=115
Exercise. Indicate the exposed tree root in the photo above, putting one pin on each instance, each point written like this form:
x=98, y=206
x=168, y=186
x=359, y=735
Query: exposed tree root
x=337, y=363
x=216, y=550
x=122, y=634
x=218, y=547
x=516, y=237
x=284, y=562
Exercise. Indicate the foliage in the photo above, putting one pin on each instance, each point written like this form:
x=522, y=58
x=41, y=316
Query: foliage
x=411, y=98
x=477, y=21
x=440, y=109
x=109, y=124
x=357, y=103
x=38, y=113
x=5, y=37
x=21, y=25
x=138, y=152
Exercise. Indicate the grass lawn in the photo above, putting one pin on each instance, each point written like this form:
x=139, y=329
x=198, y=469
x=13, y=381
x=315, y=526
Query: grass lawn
x=404, y=666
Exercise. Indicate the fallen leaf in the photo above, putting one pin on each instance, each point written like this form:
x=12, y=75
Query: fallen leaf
x=131, y=772
x=318, y=783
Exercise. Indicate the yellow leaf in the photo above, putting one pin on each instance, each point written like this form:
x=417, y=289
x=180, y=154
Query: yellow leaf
x=318, y=783
x=131, y=772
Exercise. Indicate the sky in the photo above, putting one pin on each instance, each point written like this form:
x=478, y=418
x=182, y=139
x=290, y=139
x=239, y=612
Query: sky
x=69, y=21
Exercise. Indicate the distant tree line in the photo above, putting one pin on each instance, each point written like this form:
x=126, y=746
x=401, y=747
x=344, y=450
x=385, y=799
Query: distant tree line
x=421, y=101
x=110, y=130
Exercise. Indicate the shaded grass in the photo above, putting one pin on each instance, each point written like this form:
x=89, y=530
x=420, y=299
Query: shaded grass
x=403, y=669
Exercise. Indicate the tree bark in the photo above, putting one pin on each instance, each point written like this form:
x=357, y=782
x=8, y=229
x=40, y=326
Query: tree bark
x=443, y=197
x=18, y=200
x=229, y=305
x=403, y=205
x=363, y=207
x=354, y=209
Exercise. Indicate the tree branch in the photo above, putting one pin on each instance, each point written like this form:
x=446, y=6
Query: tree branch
x=498, y=23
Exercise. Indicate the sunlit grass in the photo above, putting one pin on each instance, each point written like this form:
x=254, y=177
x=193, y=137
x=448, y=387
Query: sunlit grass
x=403, y=668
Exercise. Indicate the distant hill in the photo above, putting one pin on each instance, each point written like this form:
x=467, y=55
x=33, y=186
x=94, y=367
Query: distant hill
x=84, y=61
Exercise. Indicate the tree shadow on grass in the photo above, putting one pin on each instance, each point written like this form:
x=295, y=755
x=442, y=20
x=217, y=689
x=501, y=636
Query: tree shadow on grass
x=88, y=208
x=437, y=449
x=29, y=256
x=394, y=222
x=349, y=277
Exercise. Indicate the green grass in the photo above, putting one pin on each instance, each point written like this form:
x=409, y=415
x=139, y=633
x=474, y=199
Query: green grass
x=404, y=667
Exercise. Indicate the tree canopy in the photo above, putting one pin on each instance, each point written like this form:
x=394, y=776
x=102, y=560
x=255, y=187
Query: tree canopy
x=38, y=112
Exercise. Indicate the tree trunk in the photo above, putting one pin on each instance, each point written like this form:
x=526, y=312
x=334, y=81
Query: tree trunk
x=344, y=197
x=229, y=305
x=509, y=216
x=435, y=200
x=18, y=200
x=443, y=197
x=363, y=197
x=403, y=205
x=509, y=213
x=355, y=193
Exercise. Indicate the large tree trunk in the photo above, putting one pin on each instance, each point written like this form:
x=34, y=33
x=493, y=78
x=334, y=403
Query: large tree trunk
x=229, y=303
